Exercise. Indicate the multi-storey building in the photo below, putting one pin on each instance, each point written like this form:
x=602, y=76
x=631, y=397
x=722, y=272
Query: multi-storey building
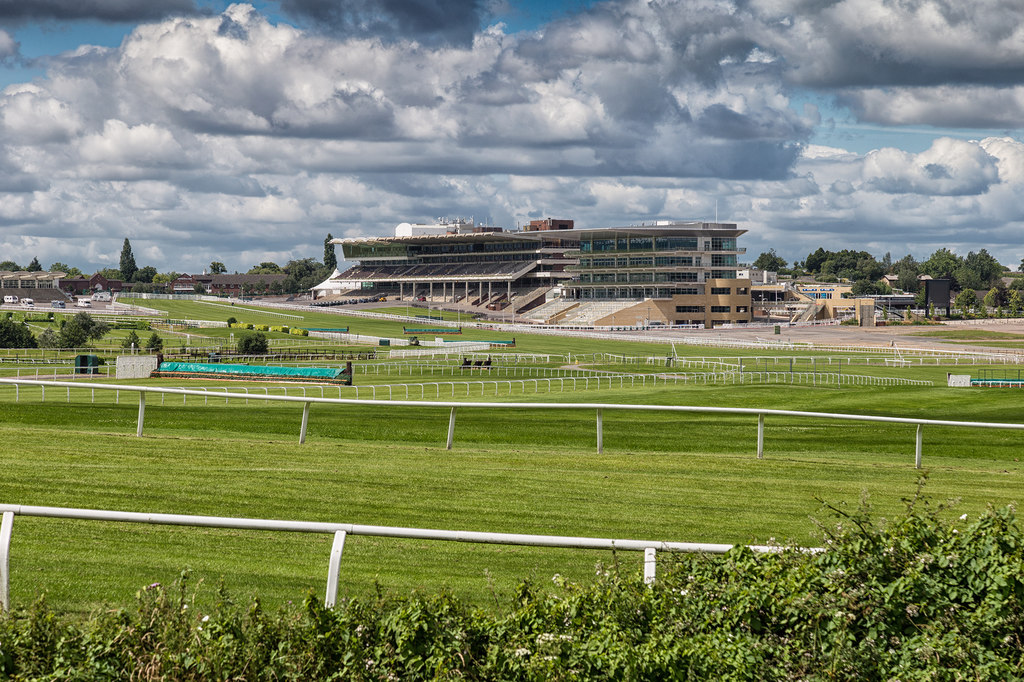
x=685, y=272
x=669, y=273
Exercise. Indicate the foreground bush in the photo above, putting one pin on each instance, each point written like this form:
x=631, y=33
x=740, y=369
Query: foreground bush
x=911, y=599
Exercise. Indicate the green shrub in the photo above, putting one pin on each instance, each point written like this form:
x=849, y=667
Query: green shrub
x=295, y=331
x=252, y=344
x=918, y=598
x=261, y=327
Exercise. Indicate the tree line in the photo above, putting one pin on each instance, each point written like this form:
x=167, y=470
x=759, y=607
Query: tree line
x=975, y=271
x=300, y=274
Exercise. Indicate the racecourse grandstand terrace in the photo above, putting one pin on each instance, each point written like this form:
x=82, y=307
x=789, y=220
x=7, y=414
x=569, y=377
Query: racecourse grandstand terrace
x=671, y=273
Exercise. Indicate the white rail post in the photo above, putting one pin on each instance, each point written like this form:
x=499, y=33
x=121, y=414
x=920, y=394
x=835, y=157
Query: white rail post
x=451, y=429
x=760, y=436
x=305, y=422
x=917, y=448
x=142, y=412
x=600, y=432
x=333, y=568
x=6, y=524
x=650, y=565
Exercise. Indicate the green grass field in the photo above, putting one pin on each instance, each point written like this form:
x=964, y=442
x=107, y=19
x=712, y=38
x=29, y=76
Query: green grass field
x=689, y=477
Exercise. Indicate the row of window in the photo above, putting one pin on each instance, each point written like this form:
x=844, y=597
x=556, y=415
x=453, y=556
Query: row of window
x=656, y=244
x=639, y=277
x=641, y=261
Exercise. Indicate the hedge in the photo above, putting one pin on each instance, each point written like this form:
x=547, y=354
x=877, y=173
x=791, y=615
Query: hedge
x=915, y=598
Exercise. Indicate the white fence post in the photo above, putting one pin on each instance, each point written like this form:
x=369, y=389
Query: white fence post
x=600, y=432
x=305, y=422
x=650, y=565
x=142, y=412
x=451, y=429
x=760, y=436
x=6, y=524
x=334, y=568
x=917, y=448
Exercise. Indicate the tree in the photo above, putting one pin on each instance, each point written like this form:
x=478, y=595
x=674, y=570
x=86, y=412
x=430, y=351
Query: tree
x=199, y=288
x=128, y=267
x=991, y=299
x=941, y=265
x=217, y=268
x=34, y=266
x=966, y=300
x=265, y=268
x=9, y=266
x=906, y=270
x=1016, y=302
x=81, y=329
x=132, y=341
x=770, y=261
x=154, y=343
x=252, y=344
x=145, y=275
x=330, y=258
x=165, y=277
x=68, y=270
x=986, y=268
x=110, y=273
x=15, y=335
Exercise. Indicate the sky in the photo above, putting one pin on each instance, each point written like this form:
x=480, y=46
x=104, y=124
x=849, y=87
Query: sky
x=241, y=133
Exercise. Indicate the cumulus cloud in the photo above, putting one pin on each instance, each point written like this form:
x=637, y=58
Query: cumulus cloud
x=101, y=10
x=949, y=167
x=230, y=136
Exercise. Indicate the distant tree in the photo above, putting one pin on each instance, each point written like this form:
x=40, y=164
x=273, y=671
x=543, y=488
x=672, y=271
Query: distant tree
x=15, y=335
x=128, y=266
x=165, y=277
x=1020, y=269
x=814, y=260
x=906, y=270
x=232, y=320
x=265, y=268
x=217, y=268
x=68, y=270
x=34, y=266
x=131, y=341
x=145, y=275
x=887, y=262
x=770, y=261
x=942, y=265
x=966, y=301
x=199, y=288
x=110, y=273
x=81, y=329
x=330, y=258
x=9, y=266
x=154, y=343
x=252, y=344
x=991, y=299
x=985, y=267
x=864, y=287
x=49, y=339
x=1016, y=302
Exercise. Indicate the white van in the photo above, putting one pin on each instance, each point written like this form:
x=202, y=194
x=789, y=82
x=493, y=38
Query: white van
x=10, y=299
x=28, y=303
x=101, y=296
x=83, y=303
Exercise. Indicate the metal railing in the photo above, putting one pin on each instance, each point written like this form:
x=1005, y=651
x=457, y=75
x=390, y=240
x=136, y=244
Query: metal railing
x=598, y=408
x=340, y=531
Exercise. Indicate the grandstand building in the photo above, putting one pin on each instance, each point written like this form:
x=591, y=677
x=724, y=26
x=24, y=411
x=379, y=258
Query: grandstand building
x=482, y=266
x=669, y=273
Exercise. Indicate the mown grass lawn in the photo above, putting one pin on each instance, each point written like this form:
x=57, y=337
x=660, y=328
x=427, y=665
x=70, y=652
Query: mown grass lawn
x=687, y=478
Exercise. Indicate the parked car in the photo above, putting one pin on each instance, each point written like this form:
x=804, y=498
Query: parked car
x=10, y=299
x=83, y=303
x=28, y=303
x=101, y=296
x=58, y=304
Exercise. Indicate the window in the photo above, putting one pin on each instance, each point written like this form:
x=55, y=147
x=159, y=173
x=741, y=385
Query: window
x=721, y=291
x=641, y=243
x=663, y=261
x=641, y=261
x=719, y=260
x=687, y=291
x=675, y=243
x=691, y=308
x=721, y=309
